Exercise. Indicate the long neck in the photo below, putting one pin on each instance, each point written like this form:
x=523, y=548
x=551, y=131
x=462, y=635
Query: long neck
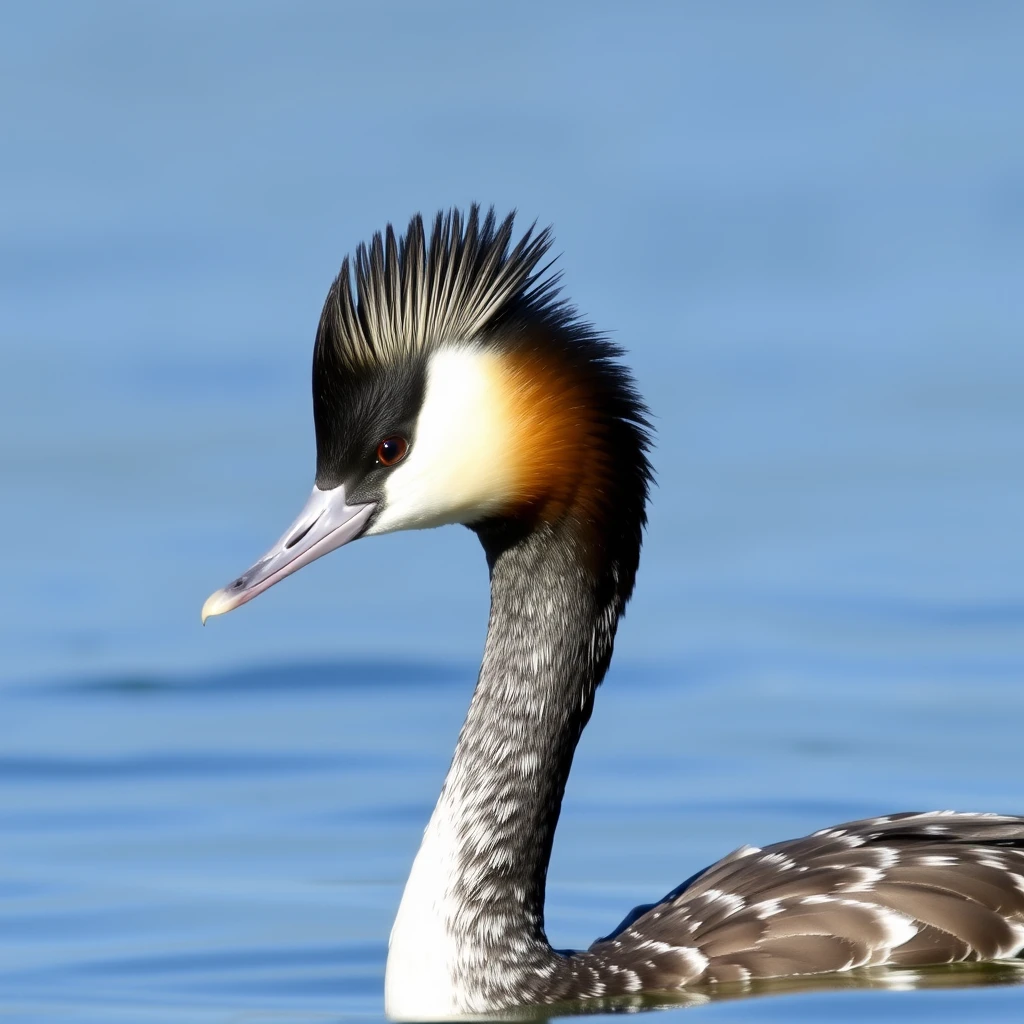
x=470, y=929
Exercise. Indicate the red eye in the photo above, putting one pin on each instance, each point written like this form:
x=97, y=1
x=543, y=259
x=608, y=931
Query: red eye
x=392, y=450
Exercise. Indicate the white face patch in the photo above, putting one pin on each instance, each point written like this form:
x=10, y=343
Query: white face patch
x=460, y=467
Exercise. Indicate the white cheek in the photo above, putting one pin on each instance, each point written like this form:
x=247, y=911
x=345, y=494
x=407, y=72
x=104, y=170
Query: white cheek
x=458, y=469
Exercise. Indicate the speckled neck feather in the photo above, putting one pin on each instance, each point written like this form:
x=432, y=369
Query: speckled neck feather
x=548, y=647
x=549, y=642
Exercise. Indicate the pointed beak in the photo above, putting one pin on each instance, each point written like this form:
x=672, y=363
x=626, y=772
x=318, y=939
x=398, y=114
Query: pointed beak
x=325, y=523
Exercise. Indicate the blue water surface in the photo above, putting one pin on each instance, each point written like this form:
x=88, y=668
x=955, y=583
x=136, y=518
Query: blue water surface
x=806, y=224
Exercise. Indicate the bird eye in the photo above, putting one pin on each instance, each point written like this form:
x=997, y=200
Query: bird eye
x=392, y=450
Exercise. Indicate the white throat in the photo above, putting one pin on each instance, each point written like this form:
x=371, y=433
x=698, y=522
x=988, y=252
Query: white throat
x=420, y=981
x=433, y=969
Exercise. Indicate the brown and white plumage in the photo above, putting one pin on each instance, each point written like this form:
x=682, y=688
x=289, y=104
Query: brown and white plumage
x=453, y=386
x=906, y=889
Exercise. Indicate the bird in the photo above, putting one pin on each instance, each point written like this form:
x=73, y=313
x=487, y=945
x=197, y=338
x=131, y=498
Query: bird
x=454, y=384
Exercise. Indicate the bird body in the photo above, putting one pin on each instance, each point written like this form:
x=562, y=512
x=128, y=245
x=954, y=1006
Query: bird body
x=453, y=386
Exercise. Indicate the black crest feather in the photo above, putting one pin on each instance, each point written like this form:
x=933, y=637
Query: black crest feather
x=402, y=295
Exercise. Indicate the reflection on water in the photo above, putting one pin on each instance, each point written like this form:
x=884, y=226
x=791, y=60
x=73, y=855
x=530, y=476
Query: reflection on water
x=887, y=979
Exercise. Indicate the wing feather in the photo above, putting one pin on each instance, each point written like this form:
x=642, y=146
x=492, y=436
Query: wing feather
x=908, y=889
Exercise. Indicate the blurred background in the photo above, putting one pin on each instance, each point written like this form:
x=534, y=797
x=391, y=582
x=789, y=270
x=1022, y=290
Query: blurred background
x=805, y=223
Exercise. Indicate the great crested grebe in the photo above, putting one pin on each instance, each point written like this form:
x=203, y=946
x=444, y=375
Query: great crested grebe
x=455, y=386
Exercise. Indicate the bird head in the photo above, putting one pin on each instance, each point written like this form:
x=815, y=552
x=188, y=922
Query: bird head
x=451, y=385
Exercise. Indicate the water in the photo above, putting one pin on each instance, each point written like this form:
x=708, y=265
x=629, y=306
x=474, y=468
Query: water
x=807, y=226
